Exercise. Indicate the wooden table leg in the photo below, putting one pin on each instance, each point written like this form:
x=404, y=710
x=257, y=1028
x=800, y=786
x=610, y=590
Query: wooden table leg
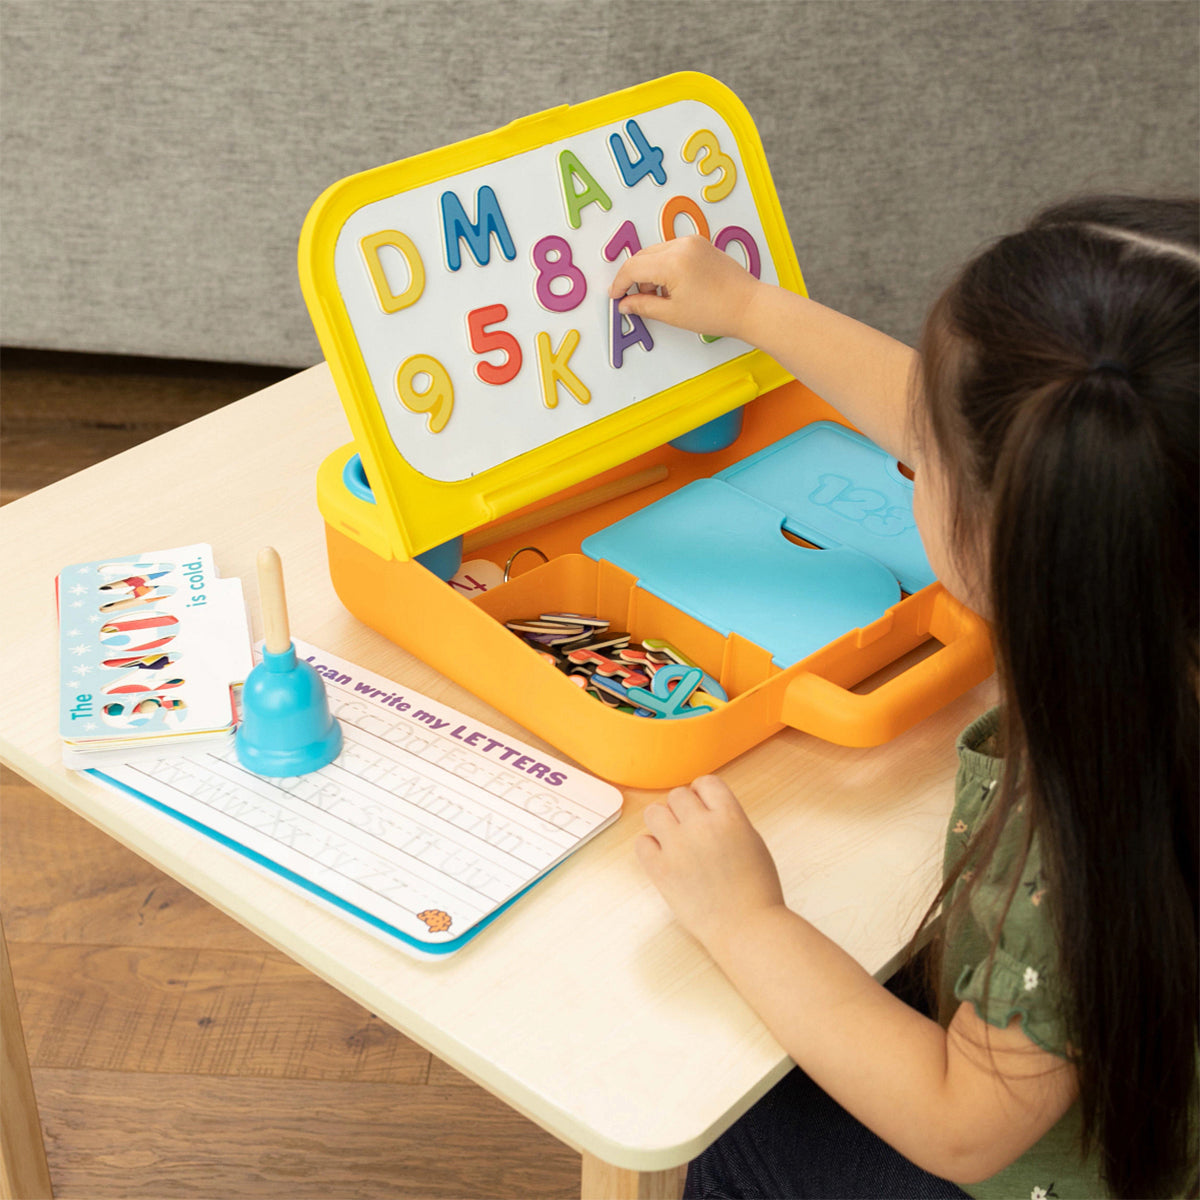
x=602, y=1181
x=23, y=1171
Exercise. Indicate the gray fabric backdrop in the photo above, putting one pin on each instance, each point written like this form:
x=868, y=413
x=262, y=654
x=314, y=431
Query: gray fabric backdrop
x=158, y=156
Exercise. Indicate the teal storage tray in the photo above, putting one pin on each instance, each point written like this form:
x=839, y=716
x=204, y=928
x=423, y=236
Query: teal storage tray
x=837, y=488
x=716, y=550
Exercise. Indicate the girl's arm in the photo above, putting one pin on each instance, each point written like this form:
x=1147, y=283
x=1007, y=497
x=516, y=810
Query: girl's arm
x=962, y=1103
x=863, y=373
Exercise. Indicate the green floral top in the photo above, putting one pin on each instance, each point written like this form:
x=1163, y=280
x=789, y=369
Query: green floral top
x=1023, y=977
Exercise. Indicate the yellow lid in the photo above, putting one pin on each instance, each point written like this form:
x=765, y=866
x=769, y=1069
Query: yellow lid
x=461, y=298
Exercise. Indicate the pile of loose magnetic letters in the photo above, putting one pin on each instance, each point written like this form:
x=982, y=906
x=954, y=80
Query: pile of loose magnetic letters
x=648, y=679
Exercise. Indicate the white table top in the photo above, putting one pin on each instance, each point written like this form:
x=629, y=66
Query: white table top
x=585, y=1006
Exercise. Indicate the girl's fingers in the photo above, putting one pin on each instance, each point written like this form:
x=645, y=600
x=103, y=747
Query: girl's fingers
x=646, y=304
x=638, y=269
x=649, y=251
x=714, y=793
x=623, y=279
x=658, y=817
x=645, y=846
x=642, y=279
x=683, y=803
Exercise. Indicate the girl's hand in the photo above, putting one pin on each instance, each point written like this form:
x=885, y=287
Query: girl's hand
x=710, y=864
x=702, y=288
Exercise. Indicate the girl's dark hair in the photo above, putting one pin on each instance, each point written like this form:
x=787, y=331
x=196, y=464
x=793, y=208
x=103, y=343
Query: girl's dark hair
x=1059, y=380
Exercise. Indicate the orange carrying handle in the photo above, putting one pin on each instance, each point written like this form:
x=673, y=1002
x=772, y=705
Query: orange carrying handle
x=815, y=704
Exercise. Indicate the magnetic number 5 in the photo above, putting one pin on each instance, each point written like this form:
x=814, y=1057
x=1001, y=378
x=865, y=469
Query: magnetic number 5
x=704, y=143
x=437, y=399
x=483, y=339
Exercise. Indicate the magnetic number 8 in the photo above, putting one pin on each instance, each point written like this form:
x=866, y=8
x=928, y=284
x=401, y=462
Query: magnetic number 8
x=560, y=266
x=437, y=399
x=704, y=142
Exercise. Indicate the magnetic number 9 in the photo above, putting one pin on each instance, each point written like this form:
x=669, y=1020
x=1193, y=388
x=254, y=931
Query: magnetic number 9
x=437, y=399
x=704, y=142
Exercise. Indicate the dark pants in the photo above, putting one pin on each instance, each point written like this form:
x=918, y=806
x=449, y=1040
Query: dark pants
x=798, y=1144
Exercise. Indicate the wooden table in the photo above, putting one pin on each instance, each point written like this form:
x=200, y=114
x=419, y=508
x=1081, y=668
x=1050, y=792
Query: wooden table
x=586, y=1007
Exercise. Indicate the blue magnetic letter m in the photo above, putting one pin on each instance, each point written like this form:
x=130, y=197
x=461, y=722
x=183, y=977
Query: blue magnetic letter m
x=477, y=234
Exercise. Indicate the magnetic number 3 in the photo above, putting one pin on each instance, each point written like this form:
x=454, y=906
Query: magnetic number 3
x=704, y=143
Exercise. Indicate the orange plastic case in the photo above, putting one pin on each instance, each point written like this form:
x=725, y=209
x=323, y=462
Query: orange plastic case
x=680, y=146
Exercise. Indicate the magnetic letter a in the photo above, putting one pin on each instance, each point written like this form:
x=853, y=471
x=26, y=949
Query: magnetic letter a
x=489, y=222
x=622, y=338
x=570, y=169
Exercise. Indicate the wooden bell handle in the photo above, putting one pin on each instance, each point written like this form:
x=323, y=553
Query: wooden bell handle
x=273, y=600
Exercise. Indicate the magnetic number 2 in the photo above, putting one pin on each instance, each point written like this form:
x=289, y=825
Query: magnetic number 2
x=712, y=158
x=437, y=399
x=648, y=162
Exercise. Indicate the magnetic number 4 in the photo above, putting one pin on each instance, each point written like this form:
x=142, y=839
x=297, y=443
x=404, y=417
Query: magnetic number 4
x=649, y=160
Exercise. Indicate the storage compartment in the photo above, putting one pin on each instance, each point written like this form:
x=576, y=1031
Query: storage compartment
x=465, y=638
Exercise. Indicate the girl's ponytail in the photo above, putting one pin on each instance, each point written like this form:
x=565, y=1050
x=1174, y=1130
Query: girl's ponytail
x=1076, y=391
x=1091, y=638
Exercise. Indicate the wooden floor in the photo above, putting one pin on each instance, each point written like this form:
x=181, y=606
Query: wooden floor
x=174, y=1054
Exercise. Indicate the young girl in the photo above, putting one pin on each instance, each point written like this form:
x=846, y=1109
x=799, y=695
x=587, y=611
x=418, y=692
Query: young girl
x=1050, y=416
